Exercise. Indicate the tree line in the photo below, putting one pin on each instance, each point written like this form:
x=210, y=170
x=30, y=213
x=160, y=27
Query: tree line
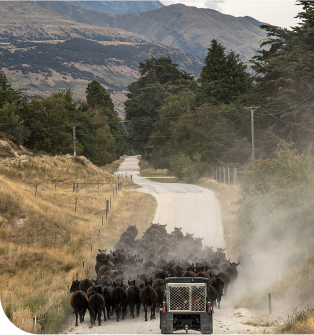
x=177, y=121
x=182, y=123
x=45, y=124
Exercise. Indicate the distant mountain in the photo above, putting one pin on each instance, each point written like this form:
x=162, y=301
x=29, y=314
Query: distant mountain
x=119, y=7
x=42, y=51
x=189, y=29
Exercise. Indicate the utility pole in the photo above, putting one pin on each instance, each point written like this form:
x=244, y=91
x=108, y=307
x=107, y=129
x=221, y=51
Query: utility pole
x=74, y=142
x=252, y=129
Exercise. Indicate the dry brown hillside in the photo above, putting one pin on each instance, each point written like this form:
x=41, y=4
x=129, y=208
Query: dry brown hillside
x=47, y=231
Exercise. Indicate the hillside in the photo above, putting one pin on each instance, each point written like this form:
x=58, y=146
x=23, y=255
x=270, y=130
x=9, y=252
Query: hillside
x=42, y=51
x=119, y=7
x=47, y=230
x=187, y=28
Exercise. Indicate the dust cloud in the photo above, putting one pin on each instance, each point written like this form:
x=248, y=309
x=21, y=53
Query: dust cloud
x=279, y=246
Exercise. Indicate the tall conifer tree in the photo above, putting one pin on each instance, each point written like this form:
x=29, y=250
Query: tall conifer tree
x=223, y=78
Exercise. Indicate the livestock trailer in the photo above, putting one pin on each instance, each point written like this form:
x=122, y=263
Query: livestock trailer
x=186, y=305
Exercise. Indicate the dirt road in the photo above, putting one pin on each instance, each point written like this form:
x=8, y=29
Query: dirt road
x=193, y=208
x=197, y=211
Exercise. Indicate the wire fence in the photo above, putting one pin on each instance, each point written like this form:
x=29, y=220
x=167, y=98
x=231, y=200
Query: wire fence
x=76, y=187
x=228, y=175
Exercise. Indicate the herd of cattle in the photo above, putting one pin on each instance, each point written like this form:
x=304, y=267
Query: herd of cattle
x=133, y=275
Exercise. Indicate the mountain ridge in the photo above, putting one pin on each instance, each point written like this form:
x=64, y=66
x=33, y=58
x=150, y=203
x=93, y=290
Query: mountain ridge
x=119, y=7
x=187, y=28
x=42, y=51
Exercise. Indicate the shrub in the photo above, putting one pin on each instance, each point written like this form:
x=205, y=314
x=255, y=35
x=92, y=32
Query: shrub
x=183, y=167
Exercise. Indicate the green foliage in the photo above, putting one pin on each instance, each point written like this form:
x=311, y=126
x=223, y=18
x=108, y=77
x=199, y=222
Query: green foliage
x=173, y=107
x=223, y=78
x=284, y=82
x=189, y=169
x=159, y=78
x=202, y=130
x=285, y=174
x=49, y=130
x=12, y=105
x=98, y=97
x=11, y=122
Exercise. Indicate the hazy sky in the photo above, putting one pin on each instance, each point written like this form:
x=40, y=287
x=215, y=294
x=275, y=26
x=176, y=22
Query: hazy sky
x=276, y=12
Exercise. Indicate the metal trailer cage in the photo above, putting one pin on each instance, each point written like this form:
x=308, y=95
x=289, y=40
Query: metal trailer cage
x=186, y=297
x=186, y=306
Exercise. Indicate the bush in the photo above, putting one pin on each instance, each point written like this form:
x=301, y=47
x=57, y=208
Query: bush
x=183, y=167
x=278, y=198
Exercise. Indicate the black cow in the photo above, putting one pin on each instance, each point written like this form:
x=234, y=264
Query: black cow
x=119, y=300
x=85, y=284
x=96, y=304
x=218, y=284
x=79, y=302
x=106, y=293
x=75, y=286
x=133, y=294
x=148, y=297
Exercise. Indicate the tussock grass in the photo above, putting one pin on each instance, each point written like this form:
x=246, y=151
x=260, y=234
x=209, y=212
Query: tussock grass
x=113, y=167
x=154, y=173
x=301, y=322
x=44, y=242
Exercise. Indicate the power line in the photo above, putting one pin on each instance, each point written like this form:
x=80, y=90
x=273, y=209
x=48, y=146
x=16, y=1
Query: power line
x=285, y=110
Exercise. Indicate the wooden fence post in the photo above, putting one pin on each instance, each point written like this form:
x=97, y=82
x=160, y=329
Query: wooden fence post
x=235, y=177
x=224, y=175
x=269, y=303
x=228, y=175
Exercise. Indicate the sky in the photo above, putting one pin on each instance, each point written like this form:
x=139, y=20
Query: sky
x=277, y=12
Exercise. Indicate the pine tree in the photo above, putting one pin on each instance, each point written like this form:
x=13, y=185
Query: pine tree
x=223, y=78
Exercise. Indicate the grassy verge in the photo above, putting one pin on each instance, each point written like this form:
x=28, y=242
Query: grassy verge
x=301, y=322
x=47, y=230
x=113, y=167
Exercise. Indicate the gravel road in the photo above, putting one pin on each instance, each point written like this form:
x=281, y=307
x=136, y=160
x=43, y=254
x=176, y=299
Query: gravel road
x=193, y=208
x=197, y=211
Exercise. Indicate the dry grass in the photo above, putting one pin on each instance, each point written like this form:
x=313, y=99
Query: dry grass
x=44, y=242
x=113, y=167
x=301, y=322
